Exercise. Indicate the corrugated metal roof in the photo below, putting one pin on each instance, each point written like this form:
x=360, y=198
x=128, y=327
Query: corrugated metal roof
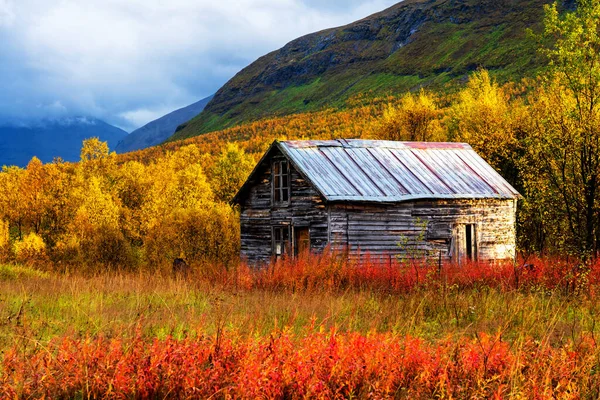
x=384, y=171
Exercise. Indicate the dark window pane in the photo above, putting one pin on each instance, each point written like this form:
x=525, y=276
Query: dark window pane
x=276, y=181
x=276, y=187
x=281, y=181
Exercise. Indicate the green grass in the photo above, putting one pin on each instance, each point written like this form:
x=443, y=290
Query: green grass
x=36, y=307
x=18, y=272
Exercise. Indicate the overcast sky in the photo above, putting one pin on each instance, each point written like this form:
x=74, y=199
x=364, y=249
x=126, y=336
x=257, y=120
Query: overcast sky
x=132, y=61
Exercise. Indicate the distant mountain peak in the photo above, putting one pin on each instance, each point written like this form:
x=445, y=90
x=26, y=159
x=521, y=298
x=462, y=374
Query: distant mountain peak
x=159, y=130
x=52, y=137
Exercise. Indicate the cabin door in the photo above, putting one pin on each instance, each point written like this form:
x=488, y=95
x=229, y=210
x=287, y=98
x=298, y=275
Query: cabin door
x=464, y=243
x=301, y=240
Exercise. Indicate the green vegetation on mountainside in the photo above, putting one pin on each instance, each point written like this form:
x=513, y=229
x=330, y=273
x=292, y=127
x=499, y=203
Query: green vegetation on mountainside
x=410, y=45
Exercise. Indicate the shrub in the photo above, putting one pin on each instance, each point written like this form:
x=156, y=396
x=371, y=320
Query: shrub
x=331, y=365
x=207, y=235
x=30, y=249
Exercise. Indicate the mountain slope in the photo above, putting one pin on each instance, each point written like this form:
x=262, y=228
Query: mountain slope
x=412, y=44
x=159, y=130
x=57, y=138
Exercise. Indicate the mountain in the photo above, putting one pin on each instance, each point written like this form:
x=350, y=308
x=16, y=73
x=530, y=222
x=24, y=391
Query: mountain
x=53, y=138
x=412, y=44
x=159, y=130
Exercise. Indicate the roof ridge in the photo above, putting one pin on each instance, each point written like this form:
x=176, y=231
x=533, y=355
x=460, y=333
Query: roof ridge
x=367, y=143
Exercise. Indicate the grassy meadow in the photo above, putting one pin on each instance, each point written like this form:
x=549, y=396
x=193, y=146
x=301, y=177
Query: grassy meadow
x=500, y=330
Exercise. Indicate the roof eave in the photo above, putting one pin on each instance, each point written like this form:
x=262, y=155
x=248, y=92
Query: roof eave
x=298, y=168
x=409, y=198
x=246, y=185
x=276, y=144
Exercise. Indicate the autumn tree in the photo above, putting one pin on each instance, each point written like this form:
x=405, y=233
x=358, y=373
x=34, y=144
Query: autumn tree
x=94, y=149
x=97, y=160
x=4, y=240
x=33, y=195
x=230, y=171
x=12, y=209
x=564, y=144
x=133, y=191
x=416, y=118
x=60, y=204
x=95, y=231
x=485, y=116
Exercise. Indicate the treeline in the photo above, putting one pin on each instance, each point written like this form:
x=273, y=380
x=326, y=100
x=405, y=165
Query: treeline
x=99, y=213
x=151, y=206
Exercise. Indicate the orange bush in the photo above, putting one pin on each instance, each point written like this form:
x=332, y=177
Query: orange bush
x=320, y=365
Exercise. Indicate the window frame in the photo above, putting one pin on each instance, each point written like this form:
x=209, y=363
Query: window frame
x=280, y=193
x=278, y=237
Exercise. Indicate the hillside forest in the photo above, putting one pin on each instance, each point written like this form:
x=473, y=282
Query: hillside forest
x=145, y=208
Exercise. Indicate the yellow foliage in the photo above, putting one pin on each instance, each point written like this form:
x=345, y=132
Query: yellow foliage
x=4, y=239
x=230, y=172
x=416, y=118
x=94, y=149
x=488, y=119
x=176, y=185
x=4, y=236
x=98, y=208
x=12, y=208
x=30, y=248
x=204, y=235
x=481, y=112
x=133, y=191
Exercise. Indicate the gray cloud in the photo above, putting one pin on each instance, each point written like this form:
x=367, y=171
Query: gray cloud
x=130, y=61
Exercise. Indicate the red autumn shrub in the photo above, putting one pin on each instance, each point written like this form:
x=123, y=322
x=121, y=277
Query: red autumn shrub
x=320, y=365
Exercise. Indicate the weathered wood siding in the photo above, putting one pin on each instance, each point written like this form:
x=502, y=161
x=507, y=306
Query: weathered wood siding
x=424, y=229
x=257, y=214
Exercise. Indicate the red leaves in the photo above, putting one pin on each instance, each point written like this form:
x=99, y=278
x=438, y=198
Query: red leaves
x=334, y=272
x=332, y=365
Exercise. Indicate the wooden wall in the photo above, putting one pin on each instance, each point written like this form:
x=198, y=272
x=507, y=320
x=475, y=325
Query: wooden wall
x=258, y=215
x=424, y=229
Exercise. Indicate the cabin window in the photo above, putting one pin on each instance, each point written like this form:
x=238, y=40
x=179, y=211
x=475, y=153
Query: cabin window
x=281, y=182
x=281, y=240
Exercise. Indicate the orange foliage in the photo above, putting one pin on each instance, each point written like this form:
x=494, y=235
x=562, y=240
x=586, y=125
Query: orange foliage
x=332, y=365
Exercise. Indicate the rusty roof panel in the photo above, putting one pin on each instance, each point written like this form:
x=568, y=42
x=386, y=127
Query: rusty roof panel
x=384, y=171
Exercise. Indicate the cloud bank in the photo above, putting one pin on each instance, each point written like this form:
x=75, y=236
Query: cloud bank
x=131, y=61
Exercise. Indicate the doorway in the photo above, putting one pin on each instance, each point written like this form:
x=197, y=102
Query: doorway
x=464, y=243
x=301, y=240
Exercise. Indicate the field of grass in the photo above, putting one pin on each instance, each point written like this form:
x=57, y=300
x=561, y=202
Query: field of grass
x=398, y=330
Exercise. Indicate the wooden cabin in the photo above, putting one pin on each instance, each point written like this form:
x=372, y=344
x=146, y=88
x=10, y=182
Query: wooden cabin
x=382, y=198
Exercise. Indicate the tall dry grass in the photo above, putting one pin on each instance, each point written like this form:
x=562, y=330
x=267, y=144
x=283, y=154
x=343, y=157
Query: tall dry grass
x=548, y=310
